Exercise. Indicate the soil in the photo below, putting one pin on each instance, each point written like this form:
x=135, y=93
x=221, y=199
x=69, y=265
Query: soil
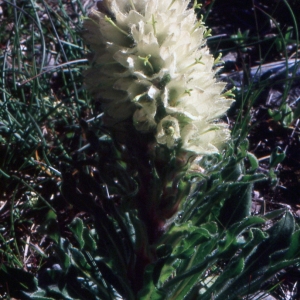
x=266, y=134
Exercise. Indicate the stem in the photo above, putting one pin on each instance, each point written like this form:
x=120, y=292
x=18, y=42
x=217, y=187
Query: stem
x=110, y=21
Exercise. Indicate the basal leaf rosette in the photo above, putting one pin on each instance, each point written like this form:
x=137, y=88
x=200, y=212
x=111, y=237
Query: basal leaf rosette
x=150, y=63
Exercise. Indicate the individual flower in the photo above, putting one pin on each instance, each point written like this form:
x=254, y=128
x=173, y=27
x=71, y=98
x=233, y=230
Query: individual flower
x=168, y=131
x=150, y=63
x=203, y=138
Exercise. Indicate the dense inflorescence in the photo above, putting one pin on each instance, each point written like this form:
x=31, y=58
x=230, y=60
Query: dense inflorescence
x=150, y=63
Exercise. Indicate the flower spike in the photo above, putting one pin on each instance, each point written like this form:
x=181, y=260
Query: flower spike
x=151, y=65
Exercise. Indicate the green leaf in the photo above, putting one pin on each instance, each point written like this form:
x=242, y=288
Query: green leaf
x=150, y=291
x=50, y=226
x=275, y=114
x=261, y=252
x=244, y=145
x=252, y=178
x=138, y=231
x=294, y=247
x=277, y=156
x=80, y=260
x=233, y=269
x=288, y=116
x=114, y=280
x=76, y=227
x=185, y=287
x=274, y=214
x=198, y=236
x=237, y=206
x=84, y=290
x=232, y=171
x=253, y=238
x=168, y=269
x=284, y=115
x=52, y=293
x=17, y=280
x=176, y=232
x=191, y=237
x=260, y=276
x=254, y=163
x=281, y=232
x=70, y=135
x=183, y=251
x=273, y=177
x=279, y=238
x=163, y=251
x=297, y=111
x=62, y=252
x=33, y=297
x=245, y=223
x=289, y=33
x=232, y=233
x=38, y=293
x=158, y=269
x=211, y=227
x=89, y=242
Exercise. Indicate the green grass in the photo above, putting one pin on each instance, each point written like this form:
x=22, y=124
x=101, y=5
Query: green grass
x=42, y=102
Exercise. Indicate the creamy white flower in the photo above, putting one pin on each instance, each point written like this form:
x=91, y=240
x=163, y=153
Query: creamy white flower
x=203, y=138
x=143, y=117
x=168, y=131
x=150, y=63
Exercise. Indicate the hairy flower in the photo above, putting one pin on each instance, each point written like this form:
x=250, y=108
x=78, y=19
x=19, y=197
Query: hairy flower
x=168, y=131
x=150, y=63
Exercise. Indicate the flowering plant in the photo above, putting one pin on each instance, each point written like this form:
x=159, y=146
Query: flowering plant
x=150, y=63
x=160, y=228
x=146, y=222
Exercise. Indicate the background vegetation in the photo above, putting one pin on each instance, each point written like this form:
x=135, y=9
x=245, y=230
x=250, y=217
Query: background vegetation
x=57, y=161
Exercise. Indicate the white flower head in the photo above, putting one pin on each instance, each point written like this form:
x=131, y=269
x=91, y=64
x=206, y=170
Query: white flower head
x=151, y=64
